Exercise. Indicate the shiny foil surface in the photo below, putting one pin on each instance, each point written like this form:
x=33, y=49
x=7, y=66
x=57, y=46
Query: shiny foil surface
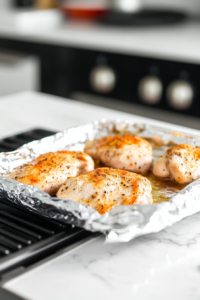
x=122, y=223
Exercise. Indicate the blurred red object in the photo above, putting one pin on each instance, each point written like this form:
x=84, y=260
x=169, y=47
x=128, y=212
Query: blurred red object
x=84, y=10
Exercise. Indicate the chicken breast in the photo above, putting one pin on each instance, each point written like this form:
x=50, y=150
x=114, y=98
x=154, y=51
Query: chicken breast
x=181, y=163
x=105, y=188
x=50, y=170
x=124, y=152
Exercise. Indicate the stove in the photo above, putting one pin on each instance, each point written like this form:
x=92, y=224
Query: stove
x=25, y=237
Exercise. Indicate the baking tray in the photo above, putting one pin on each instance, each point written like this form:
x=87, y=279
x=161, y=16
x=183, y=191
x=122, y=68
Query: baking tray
x=122, y=223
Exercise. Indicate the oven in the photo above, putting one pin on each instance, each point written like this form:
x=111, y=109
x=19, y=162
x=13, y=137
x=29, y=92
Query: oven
x=150, y=82
x=150, y=71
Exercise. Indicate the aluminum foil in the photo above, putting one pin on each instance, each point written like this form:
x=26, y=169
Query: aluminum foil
x=122, y=223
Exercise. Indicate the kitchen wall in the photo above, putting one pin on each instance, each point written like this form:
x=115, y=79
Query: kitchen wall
x=5, y=4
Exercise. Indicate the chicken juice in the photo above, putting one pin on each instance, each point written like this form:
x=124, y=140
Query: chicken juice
x=162, y=189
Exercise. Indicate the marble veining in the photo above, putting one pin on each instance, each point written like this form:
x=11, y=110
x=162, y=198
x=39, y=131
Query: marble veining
x=157, y=266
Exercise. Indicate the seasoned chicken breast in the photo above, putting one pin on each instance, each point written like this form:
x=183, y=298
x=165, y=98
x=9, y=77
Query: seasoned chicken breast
x=124, y=152
x=50, y=170
x=105, y=188
x=181, y=163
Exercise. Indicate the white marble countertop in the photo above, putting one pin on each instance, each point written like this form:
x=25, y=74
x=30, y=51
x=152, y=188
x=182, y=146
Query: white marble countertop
x=176, y=42
x=164, y=265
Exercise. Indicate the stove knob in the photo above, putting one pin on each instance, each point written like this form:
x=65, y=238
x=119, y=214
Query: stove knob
x=103, y=79
x=150, y=90
x=180, y=94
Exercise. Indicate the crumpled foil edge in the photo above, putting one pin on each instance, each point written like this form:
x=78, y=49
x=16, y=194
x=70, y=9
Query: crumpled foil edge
x=122, y=223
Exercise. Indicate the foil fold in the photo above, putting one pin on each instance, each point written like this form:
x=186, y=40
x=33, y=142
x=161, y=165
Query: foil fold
x=122, y=223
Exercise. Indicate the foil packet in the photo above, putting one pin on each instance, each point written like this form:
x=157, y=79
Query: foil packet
x=122, y=223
